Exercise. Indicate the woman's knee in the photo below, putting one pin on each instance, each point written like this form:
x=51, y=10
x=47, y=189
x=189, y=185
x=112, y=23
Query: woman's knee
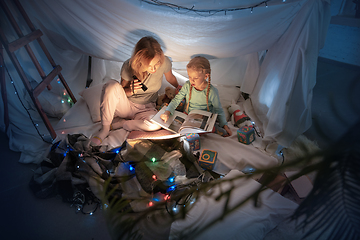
x=112, y=88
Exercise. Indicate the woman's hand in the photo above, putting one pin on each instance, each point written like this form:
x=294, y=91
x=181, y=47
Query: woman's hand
x=135, y=86
x=131, y=87
x=227, y=130
x=165, y=116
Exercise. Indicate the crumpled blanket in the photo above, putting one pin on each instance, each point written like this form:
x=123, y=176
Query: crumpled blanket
x=74, y=170
x=138, y=168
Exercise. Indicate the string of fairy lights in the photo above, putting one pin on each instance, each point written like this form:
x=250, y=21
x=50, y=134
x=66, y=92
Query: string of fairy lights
x=65, y=99
x=205, y=12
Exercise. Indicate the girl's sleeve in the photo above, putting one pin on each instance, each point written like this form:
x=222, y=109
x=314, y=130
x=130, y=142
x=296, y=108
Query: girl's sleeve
x=178, y=98
x=217, y=108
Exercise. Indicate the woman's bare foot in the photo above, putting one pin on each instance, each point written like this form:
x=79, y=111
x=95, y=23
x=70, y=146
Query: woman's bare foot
x=101, y=135
x=117, y=123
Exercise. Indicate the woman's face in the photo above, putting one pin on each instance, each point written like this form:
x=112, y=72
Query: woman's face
x=154, y=64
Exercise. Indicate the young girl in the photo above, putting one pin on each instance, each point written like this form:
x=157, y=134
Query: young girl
x=199, y=94
x=131, y=103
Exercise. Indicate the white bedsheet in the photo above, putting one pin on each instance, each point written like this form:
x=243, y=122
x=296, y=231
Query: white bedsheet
x=246, y=222
x=78, y=120
x=231, y=153
x=235, y=155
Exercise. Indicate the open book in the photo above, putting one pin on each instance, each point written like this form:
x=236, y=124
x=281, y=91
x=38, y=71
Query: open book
x=197, y=121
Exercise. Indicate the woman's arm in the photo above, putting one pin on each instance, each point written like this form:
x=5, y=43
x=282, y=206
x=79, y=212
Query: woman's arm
x=171, y=78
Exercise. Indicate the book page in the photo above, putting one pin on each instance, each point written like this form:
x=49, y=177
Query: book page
x=173, y=123
x=196, y=121
x=199, y=120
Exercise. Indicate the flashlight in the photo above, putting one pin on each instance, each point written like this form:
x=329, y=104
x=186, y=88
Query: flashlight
x=143, y=87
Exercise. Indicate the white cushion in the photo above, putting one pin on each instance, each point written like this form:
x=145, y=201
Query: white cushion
x=92, y=97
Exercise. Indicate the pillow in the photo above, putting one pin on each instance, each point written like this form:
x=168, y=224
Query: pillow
x=92, y=97
x=227, y=94
x=53, y=104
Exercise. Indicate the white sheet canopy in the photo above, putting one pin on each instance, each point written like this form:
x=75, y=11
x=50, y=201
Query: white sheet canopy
x=270, y=50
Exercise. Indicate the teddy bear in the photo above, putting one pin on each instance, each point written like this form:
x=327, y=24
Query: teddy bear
x=238, y=117
x=164, y=99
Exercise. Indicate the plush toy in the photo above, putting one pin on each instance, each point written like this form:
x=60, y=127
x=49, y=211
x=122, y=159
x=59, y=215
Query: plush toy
x=238, y=117
x=164, y=99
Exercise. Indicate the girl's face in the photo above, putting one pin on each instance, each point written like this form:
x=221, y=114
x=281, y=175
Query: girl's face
x=154, y=65
x=197, y=79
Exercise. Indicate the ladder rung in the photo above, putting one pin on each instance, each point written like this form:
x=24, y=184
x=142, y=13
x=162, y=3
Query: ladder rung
x=46, y=81
x=15, y=45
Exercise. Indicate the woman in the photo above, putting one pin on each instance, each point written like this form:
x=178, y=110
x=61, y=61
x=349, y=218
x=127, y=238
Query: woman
x=131, y=103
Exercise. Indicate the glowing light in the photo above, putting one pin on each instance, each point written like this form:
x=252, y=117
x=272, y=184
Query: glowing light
x=166, y=197
x=153, y=159
x=62, y=101
x=63, y=132
x=154, y=177
x=116, y=150
x=171, y=188
x=64, y=120
x=270, y=89
x=131, y=168
x=151, y=204
x=171, y=179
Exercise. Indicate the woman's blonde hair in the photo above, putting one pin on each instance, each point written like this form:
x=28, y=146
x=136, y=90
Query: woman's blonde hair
x=145, y=50
x=200, y=64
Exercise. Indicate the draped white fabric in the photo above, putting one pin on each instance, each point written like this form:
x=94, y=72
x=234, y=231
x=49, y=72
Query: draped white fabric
x=291, y=31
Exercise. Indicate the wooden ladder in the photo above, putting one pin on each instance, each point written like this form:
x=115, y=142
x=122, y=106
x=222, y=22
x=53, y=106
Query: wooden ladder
x=23, y=41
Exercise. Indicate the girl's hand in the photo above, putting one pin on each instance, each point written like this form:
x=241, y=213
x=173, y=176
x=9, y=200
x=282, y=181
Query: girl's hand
x=165, y=116
x=227, y=130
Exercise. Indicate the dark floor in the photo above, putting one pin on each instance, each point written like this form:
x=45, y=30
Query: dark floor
x=23, y=216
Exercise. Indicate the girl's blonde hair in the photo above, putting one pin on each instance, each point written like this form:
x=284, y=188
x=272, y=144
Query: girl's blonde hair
x=200, y=64
x=145, y=50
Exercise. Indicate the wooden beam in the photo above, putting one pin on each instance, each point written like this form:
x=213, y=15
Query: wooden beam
x=45, y=82
x=21, y=42
x=27, y=85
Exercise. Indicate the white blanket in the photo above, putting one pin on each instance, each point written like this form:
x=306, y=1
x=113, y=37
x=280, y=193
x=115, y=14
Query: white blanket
x=246, y=222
